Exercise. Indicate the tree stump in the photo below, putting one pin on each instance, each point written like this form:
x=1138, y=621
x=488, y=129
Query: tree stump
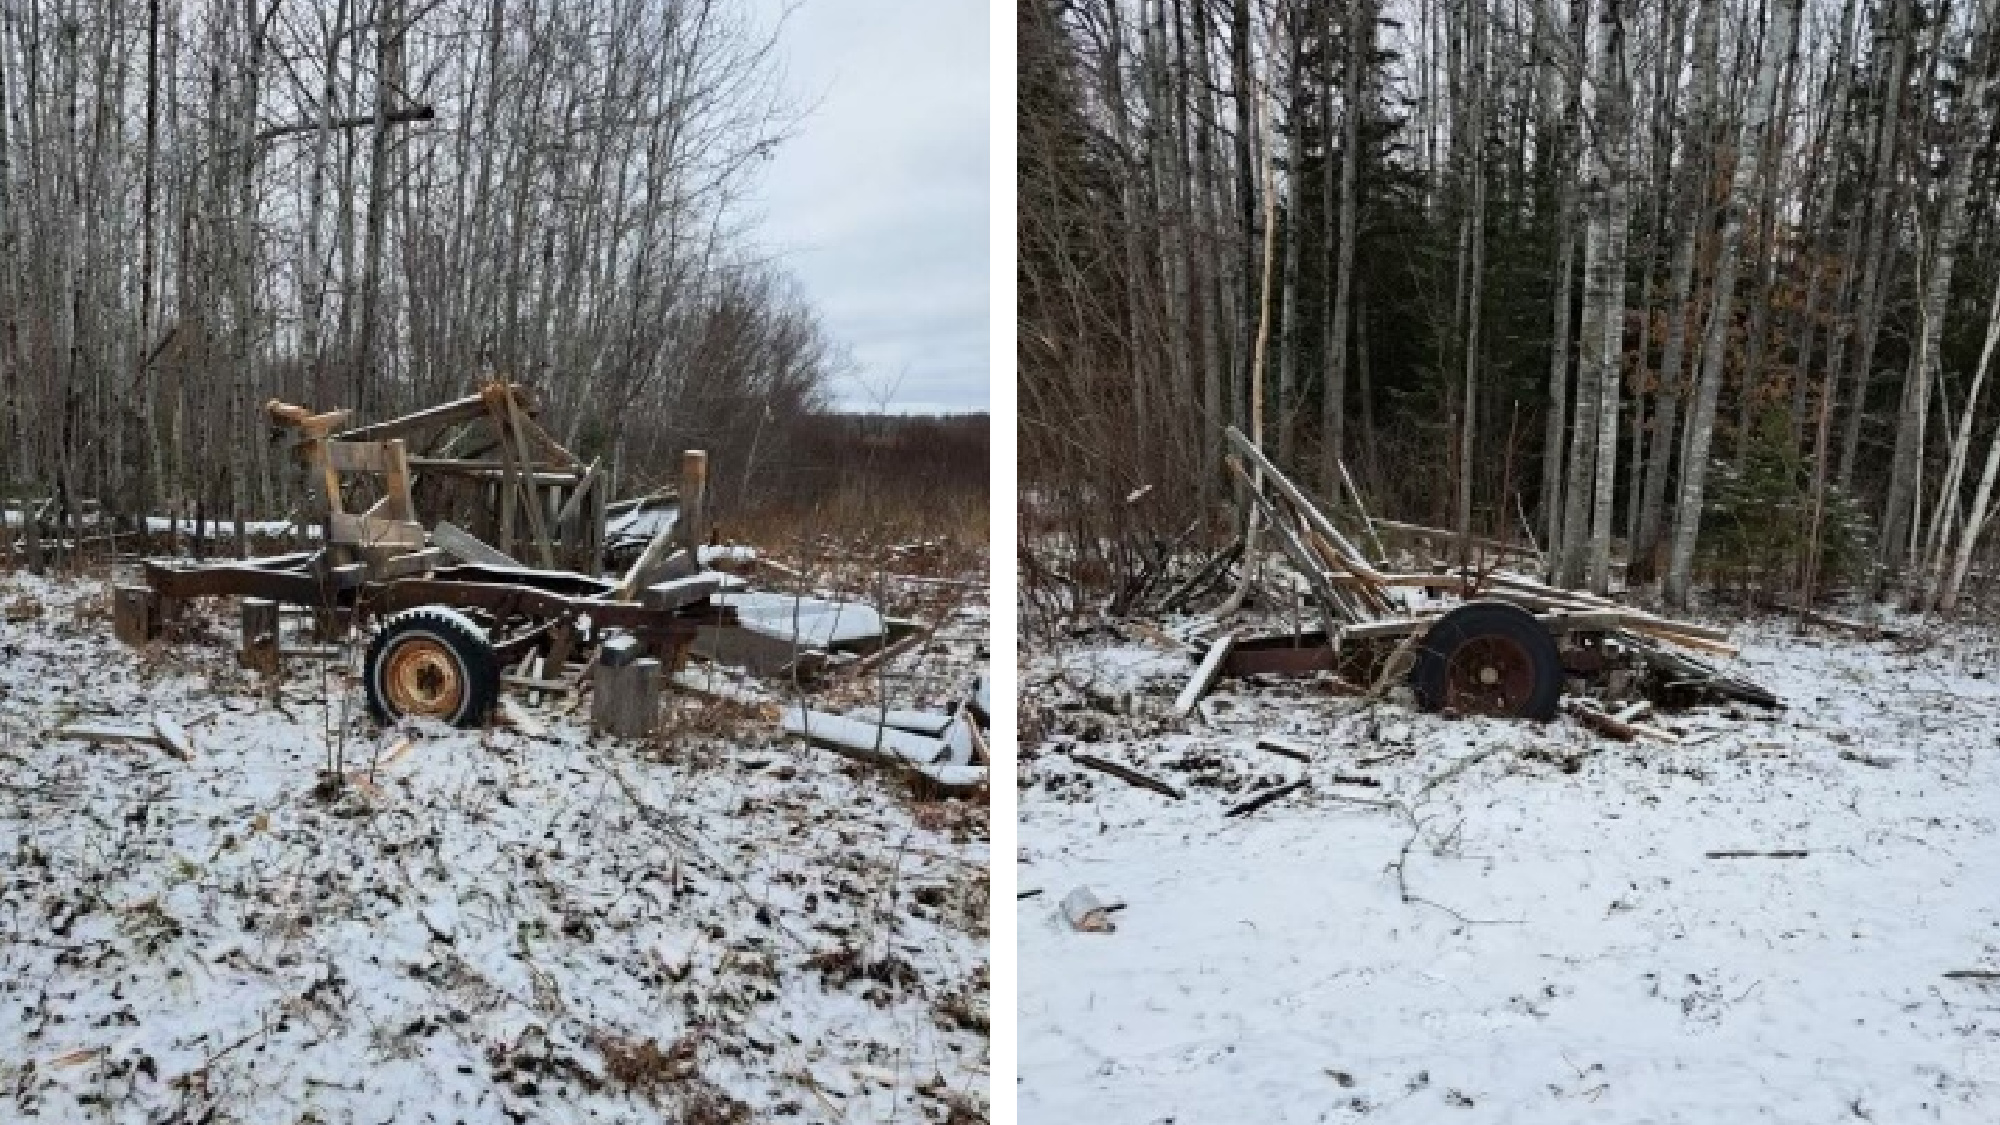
x=626, y=698
x=135, y=615
x=260, y=636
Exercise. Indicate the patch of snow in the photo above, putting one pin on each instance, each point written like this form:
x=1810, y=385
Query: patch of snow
x=484, y=928
x=1519, y=923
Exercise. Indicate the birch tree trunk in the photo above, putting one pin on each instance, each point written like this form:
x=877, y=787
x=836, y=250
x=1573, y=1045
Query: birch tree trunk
x=1901, y=516
x=1701, y=422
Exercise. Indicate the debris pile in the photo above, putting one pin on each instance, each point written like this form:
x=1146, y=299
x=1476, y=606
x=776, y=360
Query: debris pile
x=429, y=544
x=1467, y=641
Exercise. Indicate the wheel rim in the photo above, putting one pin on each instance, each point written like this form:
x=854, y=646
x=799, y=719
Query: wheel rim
x=1489, y=675
x=422, y=678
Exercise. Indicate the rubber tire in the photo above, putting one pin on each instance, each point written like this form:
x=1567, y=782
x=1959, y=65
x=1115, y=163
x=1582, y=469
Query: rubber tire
x=1485, y=619
x=478, y=665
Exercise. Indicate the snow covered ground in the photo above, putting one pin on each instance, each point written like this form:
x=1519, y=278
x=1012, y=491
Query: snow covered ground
x=486, y=926
x=1521, y=923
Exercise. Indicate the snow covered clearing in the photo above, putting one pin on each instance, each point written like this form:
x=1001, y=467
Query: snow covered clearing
x=1497, y=921
x=483, y=926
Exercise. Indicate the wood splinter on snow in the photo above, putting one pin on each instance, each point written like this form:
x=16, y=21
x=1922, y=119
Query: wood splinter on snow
x=1126, y=774
x=518, y=717
x=1617, y=726
x=1085, y=913
x=396, y=750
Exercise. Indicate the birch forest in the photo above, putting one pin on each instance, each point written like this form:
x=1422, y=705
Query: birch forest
x=378, y=205
x=1705, y=291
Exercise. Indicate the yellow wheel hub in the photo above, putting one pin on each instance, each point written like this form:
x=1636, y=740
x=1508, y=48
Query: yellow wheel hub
x=422, y=678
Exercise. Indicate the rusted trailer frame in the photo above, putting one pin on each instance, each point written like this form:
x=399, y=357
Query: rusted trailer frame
x=1505, y=650
x=447, y=634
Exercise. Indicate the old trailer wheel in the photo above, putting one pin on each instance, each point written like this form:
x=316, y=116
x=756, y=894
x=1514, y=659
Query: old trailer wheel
x=433, y=663
x=1489, y=658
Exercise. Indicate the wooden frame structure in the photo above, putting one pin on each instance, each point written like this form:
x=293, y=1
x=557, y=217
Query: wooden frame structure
x=483, y=462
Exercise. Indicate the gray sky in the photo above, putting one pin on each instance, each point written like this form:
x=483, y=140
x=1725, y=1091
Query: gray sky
x=878, y=203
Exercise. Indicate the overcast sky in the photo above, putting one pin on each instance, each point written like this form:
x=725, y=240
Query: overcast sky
x=878, y=203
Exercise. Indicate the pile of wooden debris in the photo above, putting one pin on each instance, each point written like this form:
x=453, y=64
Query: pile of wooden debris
x=1467, y=640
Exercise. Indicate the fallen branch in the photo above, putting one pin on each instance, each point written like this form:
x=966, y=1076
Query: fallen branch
x=1126, y=774
x=1285, y=746
x=1267, y=797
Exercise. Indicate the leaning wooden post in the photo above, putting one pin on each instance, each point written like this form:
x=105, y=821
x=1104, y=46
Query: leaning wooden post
x=684, y=529
x=692, y=521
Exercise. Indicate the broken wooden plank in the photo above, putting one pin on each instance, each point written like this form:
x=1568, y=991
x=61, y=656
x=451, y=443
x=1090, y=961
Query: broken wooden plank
x=1605, y=723
x=371, y=531
x=897, y=750
x=839, y=732
x=1267, y=797
x=680, y=592
x=1126, y=774
x=931, y=723
x=1205, y=675
x=100, y=734
x=1634, y=712
x=467, y=547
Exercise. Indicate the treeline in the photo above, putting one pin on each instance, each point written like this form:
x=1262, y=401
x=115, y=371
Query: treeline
x=379, y=204
x=1706, y=284
x=878, y=475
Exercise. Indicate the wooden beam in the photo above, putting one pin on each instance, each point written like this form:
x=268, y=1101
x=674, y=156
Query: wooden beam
x=691, y=522
x=373, y=532
x=307, y=423
x=516, y=453
x=357, y=456
x=467, y=547
x=457, y=410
